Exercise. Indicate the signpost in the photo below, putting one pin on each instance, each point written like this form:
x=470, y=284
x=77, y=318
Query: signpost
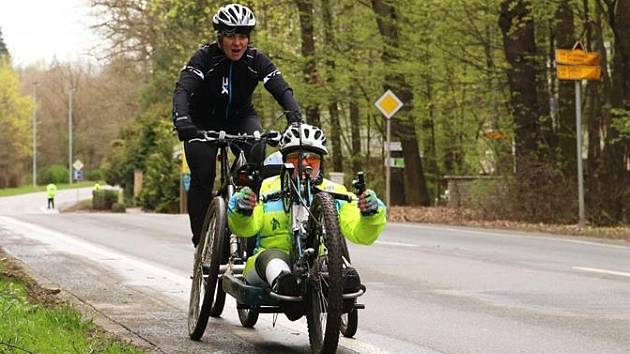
x=77, y=166
x=388, y=104
x=577, y=64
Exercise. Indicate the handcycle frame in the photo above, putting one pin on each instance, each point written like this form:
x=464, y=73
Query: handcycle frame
x=316, y=241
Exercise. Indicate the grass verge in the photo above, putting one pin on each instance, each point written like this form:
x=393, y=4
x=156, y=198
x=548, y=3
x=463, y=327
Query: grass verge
x=34, y=320
x=5, y=192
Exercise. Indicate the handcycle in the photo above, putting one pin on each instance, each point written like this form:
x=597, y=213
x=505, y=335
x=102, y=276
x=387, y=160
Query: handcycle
x=318, y=255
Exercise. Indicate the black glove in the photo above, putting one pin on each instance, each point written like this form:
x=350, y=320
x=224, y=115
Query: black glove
x=186, y=130
x=294, y=117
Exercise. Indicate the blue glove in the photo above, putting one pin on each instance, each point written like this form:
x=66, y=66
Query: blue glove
x=368, y=203
x=246, y=201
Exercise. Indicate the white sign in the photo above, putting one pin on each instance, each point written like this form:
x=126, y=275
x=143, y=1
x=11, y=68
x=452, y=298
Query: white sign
x=395, y=146
x=388, y=104
x=78, y=165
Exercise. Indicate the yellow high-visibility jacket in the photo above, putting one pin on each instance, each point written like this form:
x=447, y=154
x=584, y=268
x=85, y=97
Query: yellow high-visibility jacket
x=271, y=225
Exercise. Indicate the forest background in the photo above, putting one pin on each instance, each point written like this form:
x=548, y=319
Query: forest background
x=477, y=77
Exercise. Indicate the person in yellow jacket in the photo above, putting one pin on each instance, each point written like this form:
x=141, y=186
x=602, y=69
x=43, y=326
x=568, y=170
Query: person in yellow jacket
x=51, y=189
x=359, y=221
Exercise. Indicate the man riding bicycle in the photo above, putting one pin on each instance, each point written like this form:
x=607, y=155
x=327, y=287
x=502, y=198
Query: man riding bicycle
x=214, y=92
x=360, y=222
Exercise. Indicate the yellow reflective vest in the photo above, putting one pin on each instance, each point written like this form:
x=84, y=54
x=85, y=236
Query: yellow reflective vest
x=270, y=224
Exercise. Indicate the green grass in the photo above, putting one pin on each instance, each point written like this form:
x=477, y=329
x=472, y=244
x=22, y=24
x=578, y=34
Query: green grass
x=5, y=192
x=28, y=327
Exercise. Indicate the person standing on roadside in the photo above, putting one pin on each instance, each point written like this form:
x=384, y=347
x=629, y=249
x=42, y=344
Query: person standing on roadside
x=51, y=189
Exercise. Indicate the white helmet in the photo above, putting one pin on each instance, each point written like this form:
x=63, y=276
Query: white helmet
x=234, y=18
x=273, y=159
x=313, y=139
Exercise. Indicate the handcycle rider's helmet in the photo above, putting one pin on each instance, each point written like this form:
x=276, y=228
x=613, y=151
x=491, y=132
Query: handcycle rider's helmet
x=234, y=18
x=312, y=139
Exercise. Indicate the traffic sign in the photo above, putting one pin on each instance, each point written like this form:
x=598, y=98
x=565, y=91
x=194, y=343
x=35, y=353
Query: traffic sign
x=579, y=72
x=388, y=104
x=396, y=162
x=395, y=146
x=78, y=175
x=78, y=165
x=577, y=57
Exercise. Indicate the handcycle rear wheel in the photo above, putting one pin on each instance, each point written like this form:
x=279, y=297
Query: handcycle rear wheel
x=324, y=295
x=208, y=258
x=248, y=317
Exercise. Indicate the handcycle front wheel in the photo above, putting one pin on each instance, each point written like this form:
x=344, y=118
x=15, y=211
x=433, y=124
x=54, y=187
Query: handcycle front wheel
x=209, y=256
x=248, y=317
x=324, y=296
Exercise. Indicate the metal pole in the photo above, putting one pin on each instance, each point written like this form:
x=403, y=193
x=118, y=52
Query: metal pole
x=578, y=126
x=70, y=134
x=387, y=163
x=35, y=133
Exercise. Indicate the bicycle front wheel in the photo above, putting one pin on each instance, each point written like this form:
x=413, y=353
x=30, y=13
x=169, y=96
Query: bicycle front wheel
x=210, y=253
x=324, y=297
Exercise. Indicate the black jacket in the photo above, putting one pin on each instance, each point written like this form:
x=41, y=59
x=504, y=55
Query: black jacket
x=215, y=91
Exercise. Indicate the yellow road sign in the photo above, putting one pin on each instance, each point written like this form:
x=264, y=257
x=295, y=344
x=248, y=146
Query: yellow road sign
x=576, y=57
x=579, y=72
x=388, y=104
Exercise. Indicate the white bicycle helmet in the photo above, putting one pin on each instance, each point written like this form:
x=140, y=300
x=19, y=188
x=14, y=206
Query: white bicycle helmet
x=234, y=18
x=313, y=139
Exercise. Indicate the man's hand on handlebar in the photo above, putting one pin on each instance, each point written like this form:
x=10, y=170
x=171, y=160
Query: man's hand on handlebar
x=246, y=201
x=368, y=202
x=294, y=117
x=186, y=130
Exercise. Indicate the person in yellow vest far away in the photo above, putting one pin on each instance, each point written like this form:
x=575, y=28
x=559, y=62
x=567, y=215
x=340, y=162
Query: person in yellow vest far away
x=97, y=187
x=52, y=190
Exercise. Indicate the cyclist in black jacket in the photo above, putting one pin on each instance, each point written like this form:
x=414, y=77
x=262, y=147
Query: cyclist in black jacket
x=214, y=92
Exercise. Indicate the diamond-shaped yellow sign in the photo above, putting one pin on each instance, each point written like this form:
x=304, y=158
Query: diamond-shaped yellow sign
x=388, y=104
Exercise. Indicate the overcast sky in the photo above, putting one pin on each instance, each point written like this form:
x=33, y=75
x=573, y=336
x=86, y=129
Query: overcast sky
x=35, y=30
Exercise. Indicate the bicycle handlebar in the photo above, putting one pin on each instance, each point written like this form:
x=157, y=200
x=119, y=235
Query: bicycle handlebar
x=272, y=137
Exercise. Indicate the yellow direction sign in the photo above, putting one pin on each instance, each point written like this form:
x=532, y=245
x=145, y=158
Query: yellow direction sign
x=579, y=72
x=388, y=104
x=576, y=57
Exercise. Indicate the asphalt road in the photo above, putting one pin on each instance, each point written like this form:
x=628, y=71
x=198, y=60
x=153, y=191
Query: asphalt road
x=431, y=289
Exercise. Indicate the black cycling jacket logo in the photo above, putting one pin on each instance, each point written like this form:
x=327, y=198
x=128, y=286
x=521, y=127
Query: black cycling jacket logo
x=224, y=86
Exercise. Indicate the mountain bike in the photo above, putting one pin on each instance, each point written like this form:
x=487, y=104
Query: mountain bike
x=217, y=244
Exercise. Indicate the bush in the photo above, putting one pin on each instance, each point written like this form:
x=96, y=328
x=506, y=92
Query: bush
x=119, y=208
x=104, y=199
x=55, y=174
x=94, y=175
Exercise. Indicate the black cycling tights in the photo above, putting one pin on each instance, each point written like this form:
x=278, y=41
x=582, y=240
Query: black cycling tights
x=201, y=158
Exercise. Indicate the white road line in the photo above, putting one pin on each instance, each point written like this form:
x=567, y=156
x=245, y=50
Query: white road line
x=520, y=234
x=387, y=243
x=603, y=271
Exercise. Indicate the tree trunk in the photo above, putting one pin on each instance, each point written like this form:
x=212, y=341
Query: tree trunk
x=333, y=105
x=355, y=124
x=564, y=33
x=517, y=27
x=305, y=8
x=403, y=125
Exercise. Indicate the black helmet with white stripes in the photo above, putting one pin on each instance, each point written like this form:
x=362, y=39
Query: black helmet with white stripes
x=234, y=18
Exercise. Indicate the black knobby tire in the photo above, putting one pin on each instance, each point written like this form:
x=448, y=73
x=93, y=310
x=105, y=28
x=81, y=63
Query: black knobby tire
x=248, y=317
x=349, y=323
x=219, y=298
x=324, y=297
x=208, y=256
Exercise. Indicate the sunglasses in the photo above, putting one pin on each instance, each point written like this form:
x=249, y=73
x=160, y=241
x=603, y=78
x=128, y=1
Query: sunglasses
x=310, y=158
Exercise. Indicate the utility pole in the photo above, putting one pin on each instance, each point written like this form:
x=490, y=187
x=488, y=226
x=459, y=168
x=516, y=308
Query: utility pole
x=70, y=91
x=35, y=83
